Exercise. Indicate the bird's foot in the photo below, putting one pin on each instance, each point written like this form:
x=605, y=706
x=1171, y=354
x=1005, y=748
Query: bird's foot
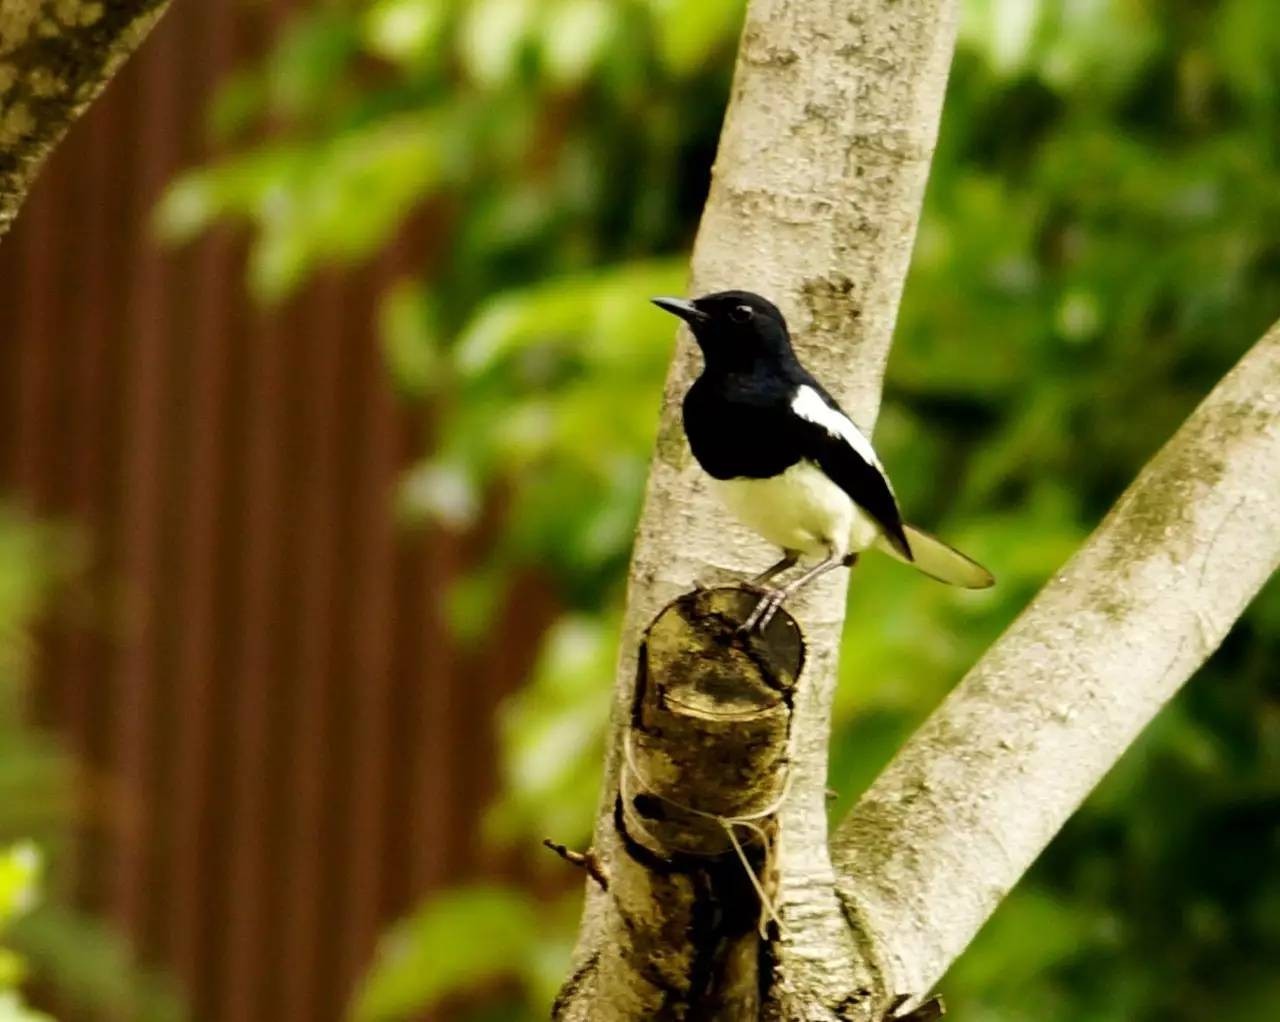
x=767, y=606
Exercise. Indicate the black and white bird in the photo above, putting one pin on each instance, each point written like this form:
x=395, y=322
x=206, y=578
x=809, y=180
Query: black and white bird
x=786, y=459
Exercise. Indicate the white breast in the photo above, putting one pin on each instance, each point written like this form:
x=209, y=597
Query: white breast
x=801, y=509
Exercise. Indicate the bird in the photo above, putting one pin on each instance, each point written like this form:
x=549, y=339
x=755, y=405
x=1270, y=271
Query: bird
x=787, y=460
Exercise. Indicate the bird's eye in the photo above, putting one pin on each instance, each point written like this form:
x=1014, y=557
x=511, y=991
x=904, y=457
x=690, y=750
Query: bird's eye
x=741, y=313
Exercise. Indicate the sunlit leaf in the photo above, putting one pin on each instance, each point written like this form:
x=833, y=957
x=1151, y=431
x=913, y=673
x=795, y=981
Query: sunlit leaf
x=253, y=187
x=574, y=33
x=340, y=203
x=552, y=734
x=1003, y=30
x=441, y=492
x=492, y=36
x=13, y=1010
x=404, y=30
x=20, y=869
x=600, y=313
x=411, y=338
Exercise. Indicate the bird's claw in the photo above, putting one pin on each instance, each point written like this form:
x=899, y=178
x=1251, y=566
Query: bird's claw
x=764, y=610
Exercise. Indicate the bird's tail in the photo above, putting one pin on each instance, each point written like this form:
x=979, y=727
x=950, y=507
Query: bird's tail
x=937, y=560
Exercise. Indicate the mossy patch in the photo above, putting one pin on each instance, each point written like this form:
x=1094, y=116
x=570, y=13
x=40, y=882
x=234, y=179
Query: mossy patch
x=1159, y=508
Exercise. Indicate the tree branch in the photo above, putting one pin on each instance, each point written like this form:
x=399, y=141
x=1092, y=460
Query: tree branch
x=814, y=202
x=966, y=806
x=55, y=57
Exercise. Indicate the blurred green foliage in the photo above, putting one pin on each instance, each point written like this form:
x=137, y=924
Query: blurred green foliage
x=1101, y=241
x=468, y=936
x=19, y=881
x=87, y=965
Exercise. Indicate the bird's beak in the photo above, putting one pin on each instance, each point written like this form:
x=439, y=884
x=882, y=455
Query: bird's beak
x=686, y=310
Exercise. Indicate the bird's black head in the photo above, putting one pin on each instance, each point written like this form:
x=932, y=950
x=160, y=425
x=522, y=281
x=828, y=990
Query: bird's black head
x=734, y=329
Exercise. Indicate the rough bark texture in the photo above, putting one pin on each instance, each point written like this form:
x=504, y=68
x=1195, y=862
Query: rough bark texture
x=966, y=806
x=814, y=202
x=55, y=57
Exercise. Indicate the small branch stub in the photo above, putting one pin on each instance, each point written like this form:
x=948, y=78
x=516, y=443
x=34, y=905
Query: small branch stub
x=587, y=860
x=710, y=723
x=706, y=764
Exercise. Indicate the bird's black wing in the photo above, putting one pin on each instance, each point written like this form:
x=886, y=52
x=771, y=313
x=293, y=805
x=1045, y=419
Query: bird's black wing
x=828, y=442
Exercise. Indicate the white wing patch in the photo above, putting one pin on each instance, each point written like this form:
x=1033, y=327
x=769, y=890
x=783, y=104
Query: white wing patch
x=808, y=404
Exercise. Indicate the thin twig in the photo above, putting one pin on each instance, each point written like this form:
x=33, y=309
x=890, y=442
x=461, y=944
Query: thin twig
x=583, y=860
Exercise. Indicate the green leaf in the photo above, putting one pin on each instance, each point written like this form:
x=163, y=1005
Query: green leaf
x=1003, y=29
x=90, y=965
x=552, y=733
x=404, y=31
x=244, y=187
x=439, y=491
x=339, y=202
x=456, y=941
x=307, y=65
x=13, y=1010
x=492, y=35
x=602, y=313
x=574, y=34
x=408, y=321
x=239, y=100
x=20, y=870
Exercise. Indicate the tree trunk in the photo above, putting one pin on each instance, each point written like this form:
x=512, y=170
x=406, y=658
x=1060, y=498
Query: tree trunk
x=814, y=202
x=55, y=57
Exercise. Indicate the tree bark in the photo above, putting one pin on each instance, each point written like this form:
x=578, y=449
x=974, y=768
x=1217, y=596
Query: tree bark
x=814, y=202
x=55, y=57
x=960, y=814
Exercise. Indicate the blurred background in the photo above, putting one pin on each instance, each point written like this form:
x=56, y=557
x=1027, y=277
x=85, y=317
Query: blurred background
x=327, y=386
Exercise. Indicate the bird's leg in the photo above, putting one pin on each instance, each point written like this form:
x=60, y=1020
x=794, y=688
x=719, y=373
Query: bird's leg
x=767, y=593
x=760, y=583
x=768, y=605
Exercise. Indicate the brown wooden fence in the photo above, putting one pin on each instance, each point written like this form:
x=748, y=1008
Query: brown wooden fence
x=283, y=749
